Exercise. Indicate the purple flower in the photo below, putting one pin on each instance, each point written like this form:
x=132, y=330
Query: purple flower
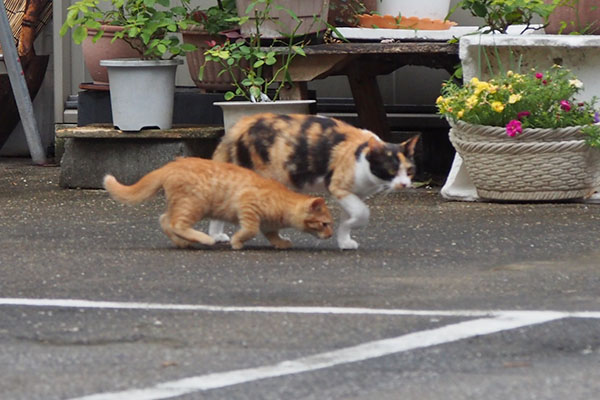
x=565, y=105
x=514, y=127
x=596, y=117
x=523, y=114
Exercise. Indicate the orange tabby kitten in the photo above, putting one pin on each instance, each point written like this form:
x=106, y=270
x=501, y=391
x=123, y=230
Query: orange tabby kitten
x=302, y=151
x=196, y=188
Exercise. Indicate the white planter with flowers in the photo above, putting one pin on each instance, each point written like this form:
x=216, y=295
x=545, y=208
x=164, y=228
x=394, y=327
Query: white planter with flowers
x=580, y=54
x=524, y=135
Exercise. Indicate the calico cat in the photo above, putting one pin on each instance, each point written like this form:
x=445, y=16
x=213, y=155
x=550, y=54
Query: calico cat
x=196, y=188
x=302, y=151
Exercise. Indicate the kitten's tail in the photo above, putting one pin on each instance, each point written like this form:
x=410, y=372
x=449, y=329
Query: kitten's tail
x=142, y=190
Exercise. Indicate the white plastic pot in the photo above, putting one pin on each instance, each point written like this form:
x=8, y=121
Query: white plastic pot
x=433, y=9
x=234, y=110
x=142, y=92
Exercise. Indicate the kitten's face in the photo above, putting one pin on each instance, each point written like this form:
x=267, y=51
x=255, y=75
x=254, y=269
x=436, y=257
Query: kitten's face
x=318, y=220
x=393, y=163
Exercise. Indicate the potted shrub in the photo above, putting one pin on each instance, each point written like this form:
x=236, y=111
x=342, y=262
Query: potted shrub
x=575, y=17
x=216, y=23
x=525, y=136
x=149, y=27
x=285, y=17
x=499, y=15
x=264, y=67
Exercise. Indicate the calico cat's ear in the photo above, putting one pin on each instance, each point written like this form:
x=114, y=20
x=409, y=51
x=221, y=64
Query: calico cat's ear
x=410, y=144
x=317, y=204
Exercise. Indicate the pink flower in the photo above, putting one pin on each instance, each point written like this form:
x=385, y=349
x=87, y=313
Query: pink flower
x=514, y=127
x=565, y=105
x=523, y=114
x=539, y=75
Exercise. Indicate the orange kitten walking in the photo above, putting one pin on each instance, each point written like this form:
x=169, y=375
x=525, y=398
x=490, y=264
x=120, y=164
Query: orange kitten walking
x=197, y=188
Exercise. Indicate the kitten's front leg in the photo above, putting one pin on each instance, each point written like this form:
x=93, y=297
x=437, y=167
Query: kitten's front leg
x=278, y=241
x=356, y=214
x=215, y=230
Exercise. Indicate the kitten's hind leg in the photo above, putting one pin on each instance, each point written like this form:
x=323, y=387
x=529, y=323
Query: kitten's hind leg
x=355, y=214
x=178, y=227
x=215, y=230
x=166, y=227
x=278, y=241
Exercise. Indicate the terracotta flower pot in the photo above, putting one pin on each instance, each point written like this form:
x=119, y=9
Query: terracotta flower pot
x=583, y=18
x=211, y=79
x=103, y=49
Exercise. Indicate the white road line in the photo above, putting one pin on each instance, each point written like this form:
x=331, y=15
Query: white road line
x=365, y=351
x=76, y=303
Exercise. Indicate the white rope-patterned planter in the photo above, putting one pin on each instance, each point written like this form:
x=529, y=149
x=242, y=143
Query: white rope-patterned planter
x=558, y=165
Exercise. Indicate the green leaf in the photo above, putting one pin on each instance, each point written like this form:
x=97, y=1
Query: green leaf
x=229, y=96
x=79, y=34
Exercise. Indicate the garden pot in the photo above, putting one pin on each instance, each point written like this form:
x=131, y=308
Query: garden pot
x=343, y=12
x=142, y=92
x=212, y=80
x=583, y=17
x=312, y=13
x=233, y=111
x=432, y=9
x=536, y=165
x=103, y=49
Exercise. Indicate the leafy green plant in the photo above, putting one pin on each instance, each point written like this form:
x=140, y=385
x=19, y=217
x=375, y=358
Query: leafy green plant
x=576, y=26
x=536, y=99
x=218, y=18
x=498, y=15
x=262, y=66
x=149, y=26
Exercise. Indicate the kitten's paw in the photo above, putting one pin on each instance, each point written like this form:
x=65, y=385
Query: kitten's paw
x=348, y=244
x=283, y=244
x=220, y=237
x=236, y=245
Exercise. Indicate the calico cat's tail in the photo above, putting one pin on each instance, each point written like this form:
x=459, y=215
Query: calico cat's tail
x=142, y=190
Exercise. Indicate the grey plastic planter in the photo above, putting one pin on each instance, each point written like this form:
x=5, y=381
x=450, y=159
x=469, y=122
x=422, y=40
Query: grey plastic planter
x=234, y=110
x=142, y=92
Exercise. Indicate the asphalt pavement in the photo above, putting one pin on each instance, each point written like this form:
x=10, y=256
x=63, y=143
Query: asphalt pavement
x=442, y=300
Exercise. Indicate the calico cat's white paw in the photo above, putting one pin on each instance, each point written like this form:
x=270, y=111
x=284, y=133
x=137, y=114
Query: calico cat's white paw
x=220, y=237
x=348, y=244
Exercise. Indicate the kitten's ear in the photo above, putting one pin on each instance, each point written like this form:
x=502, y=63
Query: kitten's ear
x=374, y=143
x=317, y=204
x=410, y=144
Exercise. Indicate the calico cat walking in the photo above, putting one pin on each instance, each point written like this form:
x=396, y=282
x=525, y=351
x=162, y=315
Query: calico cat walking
x=196, y=188
x=304, y=151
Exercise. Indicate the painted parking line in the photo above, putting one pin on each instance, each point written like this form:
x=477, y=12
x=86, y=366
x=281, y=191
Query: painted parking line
x=92, y=304
x=362, y=352
x=486, y=322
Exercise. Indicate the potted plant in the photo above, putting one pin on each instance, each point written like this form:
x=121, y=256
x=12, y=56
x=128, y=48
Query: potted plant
x=345, y=12
x=259, y=71
x=149, y=27
x=215, y=24
x=525, y=136
x=285, y=17
x=499, y=15
x=575, y=17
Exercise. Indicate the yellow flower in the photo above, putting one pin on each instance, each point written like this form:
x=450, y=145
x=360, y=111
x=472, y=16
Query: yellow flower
x=481, y=86
x=439, y=100
x=509, y=73
x=460, y=114
x=474, y=81
x=497, y=106
x=472, y=101
x=493, y=89
x=514, y=98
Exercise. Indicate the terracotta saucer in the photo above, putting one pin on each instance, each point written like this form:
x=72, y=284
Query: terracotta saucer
x=391, y=22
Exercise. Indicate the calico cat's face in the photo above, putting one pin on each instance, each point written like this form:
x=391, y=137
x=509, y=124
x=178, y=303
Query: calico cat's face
x=393, y=163
x=318, y=220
